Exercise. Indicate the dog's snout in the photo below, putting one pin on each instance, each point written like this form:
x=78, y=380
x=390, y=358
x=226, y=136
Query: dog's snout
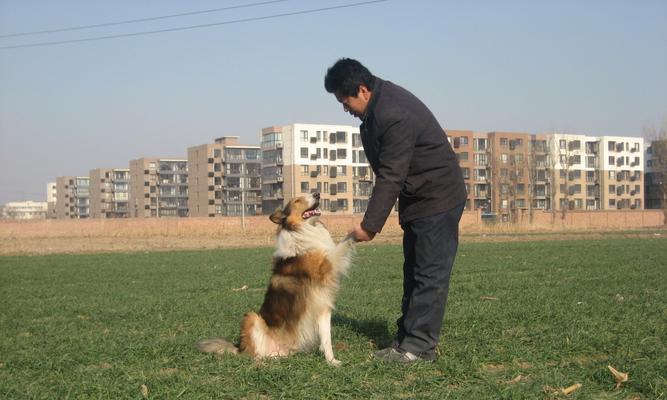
x=316, y=195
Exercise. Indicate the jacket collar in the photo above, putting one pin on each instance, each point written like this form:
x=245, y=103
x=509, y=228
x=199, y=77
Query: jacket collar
x=375, y=95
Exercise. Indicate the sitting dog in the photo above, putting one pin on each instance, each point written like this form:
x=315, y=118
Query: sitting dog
x=307, y=268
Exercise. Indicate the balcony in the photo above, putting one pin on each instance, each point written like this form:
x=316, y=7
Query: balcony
x=364, y=178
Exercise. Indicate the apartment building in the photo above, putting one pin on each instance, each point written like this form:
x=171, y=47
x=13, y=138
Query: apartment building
x=509, y=173
x=51, y=198
x=656, y=175
x=72, y=197
x=575, y=174
x=303, y=158
x=24, y=210
x=462, y=144
x=158, y=188
x=109, y=192
x=539, y=180
x=622, y=172
x=224, y=179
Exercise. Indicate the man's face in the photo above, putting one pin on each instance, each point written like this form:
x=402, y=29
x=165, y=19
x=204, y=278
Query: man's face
x=356, y=105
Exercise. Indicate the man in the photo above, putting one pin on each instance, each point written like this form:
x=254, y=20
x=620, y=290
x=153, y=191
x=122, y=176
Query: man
x=412, y=161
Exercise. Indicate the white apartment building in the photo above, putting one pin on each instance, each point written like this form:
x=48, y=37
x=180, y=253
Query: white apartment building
x=51, y=198
x=304, y=158
x=622, y=172
x=576, y=162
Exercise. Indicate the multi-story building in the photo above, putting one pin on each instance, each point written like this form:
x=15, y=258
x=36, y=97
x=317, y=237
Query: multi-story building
x=656, y=175
x=109, y=192
x=462, y=143
x=224, y=178
x=51, y=198
x=574, y=162
x=539, y=181
x=303, y=158
x=24, y=210
x=72, y=197
x=622, y=172
x=158, y=188
x=508, y=171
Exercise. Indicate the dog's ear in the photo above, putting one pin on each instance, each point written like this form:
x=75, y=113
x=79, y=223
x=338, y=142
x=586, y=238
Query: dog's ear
x=277, y=217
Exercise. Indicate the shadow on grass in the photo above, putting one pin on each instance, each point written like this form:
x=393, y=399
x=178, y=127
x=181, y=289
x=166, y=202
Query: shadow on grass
x=375, y=329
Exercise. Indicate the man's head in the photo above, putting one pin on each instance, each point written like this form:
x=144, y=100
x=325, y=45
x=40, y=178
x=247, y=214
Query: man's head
x=351, y=83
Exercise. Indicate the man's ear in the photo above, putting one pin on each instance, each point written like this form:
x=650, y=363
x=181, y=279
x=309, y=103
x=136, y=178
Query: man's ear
x=277, y=216
x=364, y=92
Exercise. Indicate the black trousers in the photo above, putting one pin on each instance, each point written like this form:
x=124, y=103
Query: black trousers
x=429, y=249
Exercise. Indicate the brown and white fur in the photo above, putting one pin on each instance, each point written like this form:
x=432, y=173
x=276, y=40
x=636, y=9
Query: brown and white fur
x=307, y=268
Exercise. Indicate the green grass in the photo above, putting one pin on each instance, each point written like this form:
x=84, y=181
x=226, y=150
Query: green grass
x=101, y=326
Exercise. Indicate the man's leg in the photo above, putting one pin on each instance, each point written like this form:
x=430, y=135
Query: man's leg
x=408, y=280
x=429, y=260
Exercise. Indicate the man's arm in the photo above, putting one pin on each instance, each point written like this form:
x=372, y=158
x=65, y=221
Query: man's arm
x=397, y=146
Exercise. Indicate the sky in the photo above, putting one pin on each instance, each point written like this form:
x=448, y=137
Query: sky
x=579, y=67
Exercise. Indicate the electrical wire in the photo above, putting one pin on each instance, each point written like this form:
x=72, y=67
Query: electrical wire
x=132, y=21
x=266, y=17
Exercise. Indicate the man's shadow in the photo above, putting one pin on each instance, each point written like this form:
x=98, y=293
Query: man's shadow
x=375, y=330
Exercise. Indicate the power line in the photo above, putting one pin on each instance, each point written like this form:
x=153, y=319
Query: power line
x=273, y=16
x=132, y=21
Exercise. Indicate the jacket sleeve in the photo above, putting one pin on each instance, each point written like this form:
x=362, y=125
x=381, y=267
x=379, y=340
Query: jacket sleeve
x=396, y=148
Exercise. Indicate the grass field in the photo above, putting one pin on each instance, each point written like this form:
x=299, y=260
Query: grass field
x=524, y=319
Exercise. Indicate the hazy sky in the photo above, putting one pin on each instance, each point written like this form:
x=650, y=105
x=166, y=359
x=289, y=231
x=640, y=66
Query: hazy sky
x=589, y=67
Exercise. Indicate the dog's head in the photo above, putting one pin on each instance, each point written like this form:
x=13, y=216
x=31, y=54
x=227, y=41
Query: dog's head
x=299, y=210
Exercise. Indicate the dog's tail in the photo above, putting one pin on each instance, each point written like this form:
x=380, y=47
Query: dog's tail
x=216, y=345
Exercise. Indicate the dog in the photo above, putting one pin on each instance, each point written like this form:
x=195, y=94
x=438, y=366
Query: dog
x=307, y=269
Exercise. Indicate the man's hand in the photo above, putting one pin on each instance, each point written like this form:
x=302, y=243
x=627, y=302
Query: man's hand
x=360, y=234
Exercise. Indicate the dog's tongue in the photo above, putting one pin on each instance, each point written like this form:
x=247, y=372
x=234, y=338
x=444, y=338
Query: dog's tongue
x=311, y=213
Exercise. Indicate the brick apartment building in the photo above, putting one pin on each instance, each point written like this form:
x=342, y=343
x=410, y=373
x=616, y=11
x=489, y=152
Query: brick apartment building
x=304, y=158
x=72, y=197
x=109, y=192
x=507, y=173
x=158, y=188
x=224, y=179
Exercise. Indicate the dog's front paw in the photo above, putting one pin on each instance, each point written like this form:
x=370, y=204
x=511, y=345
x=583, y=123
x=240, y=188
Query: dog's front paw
x=334, y=363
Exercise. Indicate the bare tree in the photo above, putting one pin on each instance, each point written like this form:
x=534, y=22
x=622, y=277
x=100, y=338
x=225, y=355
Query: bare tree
x=536, y=164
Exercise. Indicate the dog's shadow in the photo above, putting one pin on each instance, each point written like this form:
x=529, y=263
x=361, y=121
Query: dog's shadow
x=375, y=330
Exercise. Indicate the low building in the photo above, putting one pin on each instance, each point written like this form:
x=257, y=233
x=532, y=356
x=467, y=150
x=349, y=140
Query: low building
x=25, y=210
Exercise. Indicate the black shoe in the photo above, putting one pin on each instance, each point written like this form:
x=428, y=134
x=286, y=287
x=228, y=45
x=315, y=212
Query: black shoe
x=397, y=355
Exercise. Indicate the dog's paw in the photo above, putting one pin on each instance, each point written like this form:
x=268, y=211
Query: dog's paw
x=335, y=363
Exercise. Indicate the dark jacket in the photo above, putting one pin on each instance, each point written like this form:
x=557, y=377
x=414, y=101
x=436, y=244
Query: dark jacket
x=411, y=157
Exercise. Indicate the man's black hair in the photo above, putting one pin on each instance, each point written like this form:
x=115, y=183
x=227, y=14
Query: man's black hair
x=345, y=77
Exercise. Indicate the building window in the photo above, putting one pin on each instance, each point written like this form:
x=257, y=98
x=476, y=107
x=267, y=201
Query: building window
x=304, y=187
x=463, y=156
x=342, y=187
x=304, y=152
x=341, y=153
x=304, y=136
x=304, y=170
x=562, y=144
